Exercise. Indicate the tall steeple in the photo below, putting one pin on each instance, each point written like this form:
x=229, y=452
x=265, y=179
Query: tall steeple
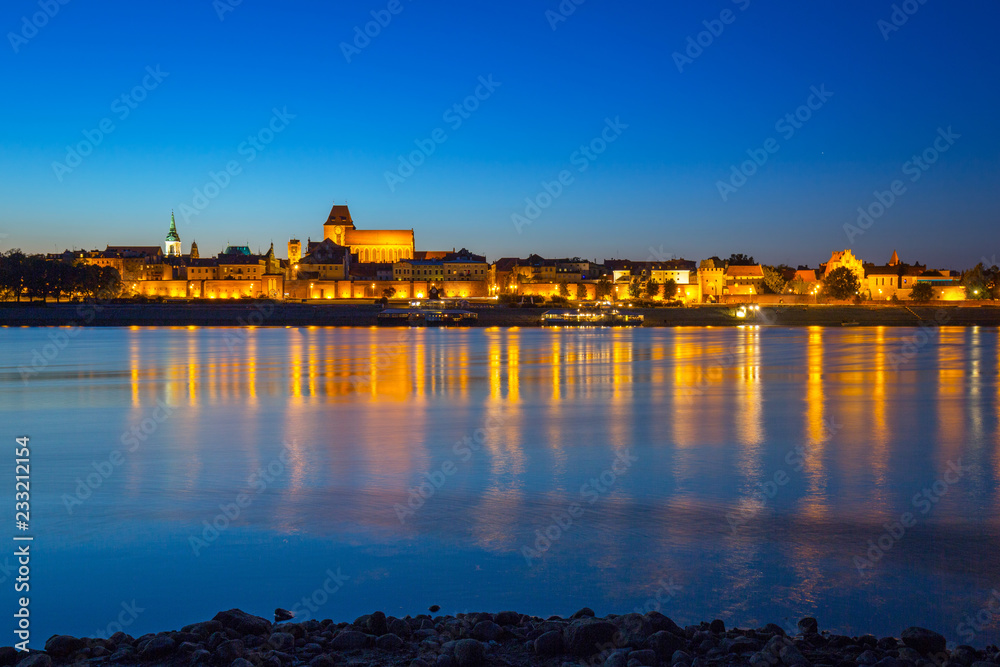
x=895, y=259
x=172, y=245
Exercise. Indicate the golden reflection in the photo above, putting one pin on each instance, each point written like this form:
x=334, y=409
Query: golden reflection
x=251, y=346
x=814, y=503
x=494, y=352
x=950, y=393
x=880, y=432
x=513, y=365
x=134, y=361
x=193, y=361
x=295, y=354
x=814, y=386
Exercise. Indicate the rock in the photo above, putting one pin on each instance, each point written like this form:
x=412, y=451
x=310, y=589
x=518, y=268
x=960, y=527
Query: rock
x=230, y=650
x=281, y=641
x=445, y=660
x=201, y=656
x=469, y=652
x=349, y=640
x=321, y=661
x=660, y=622
x=63, y=646
x=389, y=642
x=808, y=625
x=634, y=629
x=889, y=661
x=586, y=612
x=241, y=662
x=907, y=653
x=120, y=638
x=549, y=643
x=282, y=615
x=981, y=663
x=376, y=624
x=487, y=631
x=243, y=623
x=36, y=660
x=8, y=655
x=887, y=643
x=743, y=645
x=399, y=627
x=680, y=658
x=791, y=656
x=717, y=626
x=764, y=659
x=617, y=658
x=923, y=640
x=433, y=608
x=158, y=647
x=505, y=618
x=644, y=656
x=964, y=655
x=664, y=643
x=586, y=636
x=774, y=629
x=867, y=658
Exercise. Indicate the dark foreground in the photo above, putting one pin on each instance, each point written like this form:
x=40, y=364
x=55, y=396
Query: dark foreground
x=266, y=313
x=508, y=638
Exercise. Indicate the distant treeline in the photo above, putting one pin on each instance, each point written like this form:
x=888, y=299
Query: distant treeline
x=36, y=277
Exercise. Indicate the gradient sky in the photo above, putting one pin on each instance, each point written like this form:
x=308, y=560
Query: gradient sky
x=654, y=188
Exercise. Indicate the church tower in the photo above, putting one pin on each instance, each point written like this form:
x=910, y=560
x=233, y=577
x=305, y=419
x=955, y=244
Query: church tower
x=194, y=250
x=294, y=251
x=172, y=245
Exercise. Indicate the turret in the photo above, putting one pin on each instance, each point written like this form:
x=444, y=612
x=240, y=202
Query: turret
x=172, y=244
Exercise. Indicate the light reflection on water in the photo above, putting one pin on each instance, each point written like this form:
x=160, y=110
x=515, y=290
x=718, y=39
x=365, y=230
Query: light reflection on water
x=522, y=419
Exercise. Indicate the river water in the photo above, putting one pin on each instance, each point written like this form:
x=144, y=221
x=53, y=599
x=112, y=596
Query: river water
x=750, y=474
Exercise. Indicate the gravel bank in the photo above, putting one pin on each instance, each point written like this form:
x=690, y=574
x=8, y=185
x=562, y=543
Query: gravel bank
x=237, y=639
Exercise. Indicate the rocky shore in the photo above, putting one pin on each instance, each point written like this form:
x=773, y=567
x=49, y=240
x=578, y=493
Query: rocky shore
x=237, y=639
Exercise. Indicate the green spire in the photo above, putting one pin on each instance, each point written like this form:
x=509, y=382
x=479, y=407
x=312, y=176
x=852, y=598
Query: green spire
x=172, y=234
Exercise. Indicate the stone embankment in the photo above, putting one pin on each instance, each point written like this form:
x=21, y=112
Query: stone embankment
x=237, y=639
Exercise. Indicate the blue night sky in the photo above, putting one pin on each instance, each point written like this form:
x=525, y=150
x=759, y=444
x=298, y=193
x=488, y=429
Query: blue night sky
x=655, y=187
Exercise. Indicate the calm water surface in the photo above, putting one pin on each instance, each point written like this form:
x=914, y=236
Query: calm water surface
x=730, y=473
